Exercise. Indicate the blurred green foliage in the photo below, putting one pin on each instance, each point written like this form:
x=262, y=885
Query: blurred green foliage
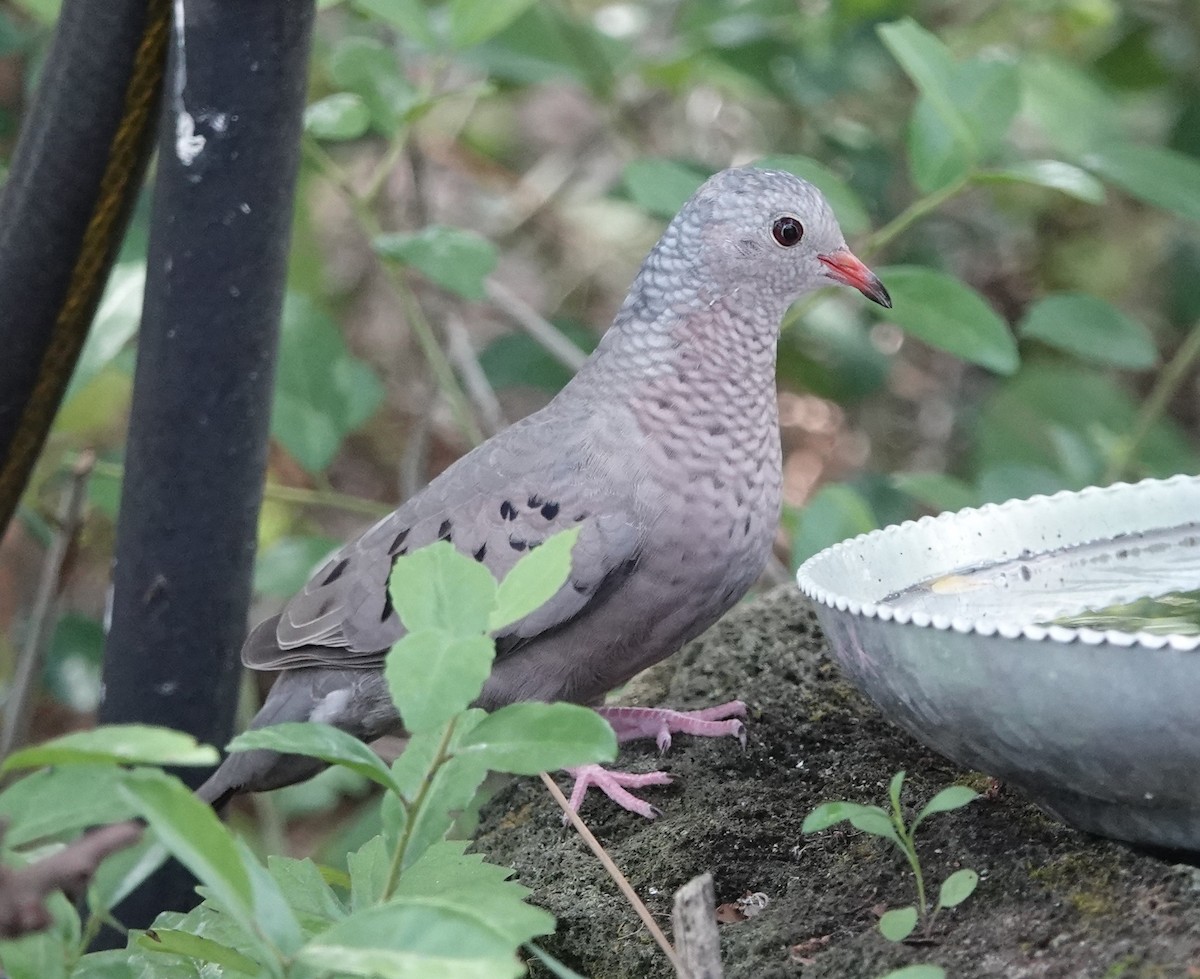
x=1025, y=175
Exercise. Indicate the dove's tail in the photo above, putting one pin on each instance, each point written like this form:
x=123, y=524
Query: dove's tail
x=294, y=697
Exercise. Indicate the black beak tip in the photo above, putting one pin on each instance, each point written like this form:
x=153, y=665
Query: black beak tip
x=880, y=295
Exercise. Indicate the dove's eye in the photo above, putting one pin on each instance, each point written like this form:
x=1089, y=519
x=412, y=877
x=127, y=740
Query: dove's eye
x=788, y=231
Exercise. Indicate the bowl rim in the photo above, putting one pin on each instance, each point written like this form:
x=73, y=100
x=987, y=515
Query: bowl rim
x=970, y=626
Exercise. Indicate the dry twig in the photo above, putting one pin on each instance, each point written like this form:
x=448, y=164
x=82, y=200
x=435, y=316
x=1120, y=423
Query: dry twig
x=23, y=890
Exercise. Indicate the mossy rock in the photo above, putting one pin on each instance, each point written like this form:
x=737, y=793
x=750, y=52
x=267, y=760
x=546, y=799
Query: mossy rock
x=1052, y=902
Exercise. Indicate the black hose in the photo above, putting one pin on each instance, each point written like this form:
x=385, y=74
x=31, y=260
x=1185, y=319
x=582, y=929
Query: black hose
x=63, y=210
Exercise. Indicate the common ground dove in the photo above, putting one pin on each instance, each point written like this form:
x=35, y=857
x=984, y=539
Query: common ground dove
x=664, y=451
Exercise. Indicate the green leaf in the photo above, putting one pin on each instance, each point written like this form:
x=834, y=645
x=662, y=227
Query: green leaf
x=1161, y=177
x=922, y=970
x=1091, y=329
x=409, y=17
x=950, y=798
x=338, y=117
x=445, y=871
x=987, y=94
x=368, y=867
x=410, y=938
x=848, y=208
x=928, y=63
x=318, y=741
x=876, y=823
x=437, y=587
x=195, y=947
x=472, y=21
x=193, y=834
x=282, y=567
x=898, y=923
x=1066, y=420
x=938, y=491
x=949, y=314
x=835, y=512
x=433, y=675
x=273, y=918
x=308, y=895
x=450, y=793
x=517, y=360
x=660, y=187
x=114, y=325
x=1052, y=174
x=46, y=804
x=829, y=352
x=456, y=260
x=1074, y=112
x=831, y=813
x=528, y=738
x=533, y=580
x=122, y=744
x=956, y=888
x=548, y=44
x=895, y=787
x=936, y=157
x=367, y=67
x=121, y=873
x=322, y=391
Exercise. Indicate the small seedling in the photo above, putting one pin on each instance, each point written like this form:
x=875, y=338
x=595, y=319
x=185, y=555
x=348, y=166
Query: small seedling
x=898, y=923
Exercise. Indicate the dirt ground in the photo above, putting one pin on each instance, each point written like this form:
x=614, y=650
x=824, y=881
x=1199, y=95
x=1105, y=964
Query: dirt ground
x=1051, y=902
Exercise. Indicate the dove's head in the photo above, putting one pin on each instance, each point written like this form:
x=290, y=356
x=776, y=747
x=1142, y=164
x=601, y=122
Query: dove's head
x=771, y=232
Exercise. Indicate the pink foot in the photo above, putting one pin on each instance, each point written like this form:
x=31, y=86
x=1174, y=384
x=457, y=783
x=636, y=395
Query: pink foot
x=660, y=723
x=613, y=785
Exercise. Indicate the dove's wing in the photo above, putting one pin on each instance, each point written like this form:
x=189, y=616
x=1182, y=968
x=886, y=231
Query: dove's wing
x=494, y=504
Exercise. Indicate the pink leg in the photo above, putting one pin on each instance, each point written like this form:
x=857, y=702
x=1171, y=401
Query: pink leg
x=659, y=723
x=613, y=785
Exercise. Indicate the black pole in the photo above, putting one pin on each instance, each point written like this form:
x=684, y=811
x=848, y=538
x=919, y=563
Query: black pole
x=228, y=152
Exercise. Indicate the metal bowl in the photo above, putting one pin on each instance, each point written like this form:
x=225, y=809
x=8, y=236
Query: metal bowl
x=946, y=624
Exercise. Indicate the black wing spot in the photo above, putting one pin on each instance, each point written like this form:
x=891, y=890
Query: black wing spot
x=444, y=530
x=550, y=511
x=336, y=572
x=480, y=554
x=401, y=552
x=746, y=526
x=508, y=511
x=400, y=539
x=535, y=501
x=580, y=587
x=517, y=545
x=388, y=608
x=580, y=517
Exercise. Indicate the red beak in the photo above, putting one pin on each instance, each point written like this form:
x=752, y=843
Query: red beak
x=845, y=268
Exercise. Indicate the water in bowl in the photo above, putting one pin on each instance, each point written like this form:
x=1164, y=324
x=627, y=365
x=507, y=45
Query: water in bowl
x=1046, y=586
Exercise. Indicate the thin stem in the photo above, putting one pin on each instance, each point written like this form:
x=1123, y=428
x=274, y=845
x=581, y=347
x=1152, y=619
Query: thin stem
x=369, y=225
x=42, y=618
x=413, y=809
x=910, y=854
x=913, y=213
x=541, y=330
x=287, y=494
x=615, y=873
x=1169, y=379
